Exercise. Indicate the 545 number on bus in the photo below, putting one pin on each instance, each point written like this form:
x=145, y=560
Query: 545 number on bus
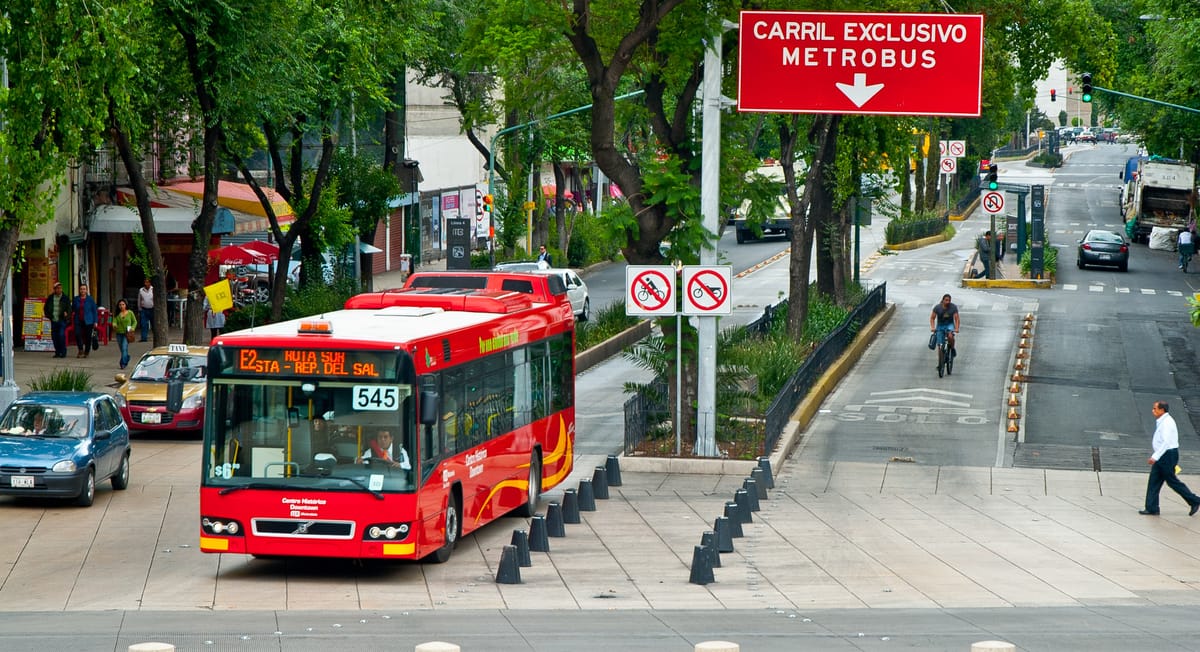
x=376, y=397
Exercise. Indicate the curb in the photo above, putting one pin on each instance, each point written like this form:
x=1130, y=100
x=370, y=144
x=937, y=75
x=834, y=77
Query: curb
x=917, y=244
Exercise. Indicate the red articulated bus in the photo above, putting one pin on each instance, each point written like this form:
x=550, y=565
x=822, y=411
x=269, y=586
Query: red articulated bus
x=390, y=428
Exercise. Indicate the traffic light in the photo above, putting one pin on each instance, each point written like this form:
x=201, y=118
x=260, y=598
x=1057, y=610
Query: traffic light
x=1053, y=95
x=487, y=203
x=1086, y=78
x=993, y=178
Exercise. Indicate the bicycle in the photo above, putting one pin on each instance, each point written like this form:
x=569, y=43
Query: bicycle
x=945, y=364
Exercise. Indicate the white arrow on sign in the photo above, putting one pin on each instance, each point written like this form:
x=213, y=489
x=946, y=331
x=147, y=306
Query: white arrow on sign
x=860, y=91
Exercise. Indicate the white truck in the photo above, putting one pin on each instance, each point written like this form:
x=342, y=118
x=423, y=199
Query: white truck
x=1157, y=193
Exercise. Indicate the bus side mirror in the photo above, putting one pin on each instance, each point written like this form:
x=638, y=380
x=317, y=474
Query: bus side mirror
x=429, y=408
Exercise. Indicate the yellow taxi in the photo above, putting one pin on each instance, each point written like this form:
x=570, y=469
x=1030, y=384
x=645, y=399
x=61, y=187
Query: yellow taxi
x=142, y=396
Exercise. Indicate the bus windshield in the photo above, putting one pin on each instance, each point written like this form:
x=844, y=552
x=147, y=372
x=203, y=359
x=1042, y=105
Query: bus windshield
x=341, y=434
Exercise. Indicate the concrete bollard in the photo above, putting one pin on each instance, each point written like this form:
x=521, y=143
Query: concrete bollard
x=613, y=467
x=717, y=646
x=724, y=534
x=151, y=646
x=751, y=488
x=554, y=521
x=570, y=507
x=764, y=463
x=509, y=571
x=600, y=483
x=760, y=483
x=702, y=572
x=742, y=498
x=733, y=512
x=708, y=540
x=520, y=539
x=538, y=540
x=587, y=499
x=993, y=646
x=437, y=646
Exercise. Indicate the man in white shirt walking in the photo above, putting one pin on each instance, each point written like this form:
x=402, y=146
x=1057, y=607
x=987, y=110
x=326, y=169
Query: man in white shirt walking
x=146, y=307
x=1162, y=463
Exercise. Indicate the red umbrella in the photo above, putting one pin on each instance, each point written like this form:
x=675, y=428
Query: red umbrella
x=235, y=255
x=271, y=251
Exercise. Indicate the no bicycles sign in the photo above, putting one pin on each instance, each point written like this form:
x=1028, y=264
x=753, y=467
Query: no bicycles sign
x=649, y=290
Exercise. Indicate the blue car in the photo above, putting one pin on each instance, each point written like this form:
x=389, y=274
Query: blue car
x=60, y=444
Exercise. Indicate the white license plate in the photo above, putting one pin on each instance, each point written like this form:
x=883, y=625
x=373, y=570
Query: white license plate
x=22, y=481
x=151, y=417
x=1105, y=256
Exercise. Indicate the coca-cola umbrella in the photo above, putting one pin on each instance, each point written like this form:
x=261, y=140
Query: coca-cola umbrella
x=271, y=251
x=236, y=255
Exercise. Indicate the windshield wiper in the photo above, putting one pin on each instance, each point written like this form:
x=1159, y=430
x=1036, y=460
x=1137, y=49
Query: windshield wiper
x=269, y=485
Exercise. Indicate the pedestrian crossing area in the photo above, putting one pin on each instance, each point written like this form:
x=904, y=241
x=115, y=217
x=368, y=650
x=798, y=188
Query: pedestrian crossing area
x=1077, y=288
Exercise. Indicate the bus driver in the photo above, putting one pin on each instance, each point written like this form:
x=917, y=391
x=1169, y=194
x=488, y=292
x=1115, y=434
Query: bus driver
x=384, y=449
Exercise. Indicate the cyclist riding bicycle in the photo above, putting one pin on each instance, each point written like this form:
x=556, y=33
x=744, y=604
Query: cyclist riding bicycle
x=944, y=321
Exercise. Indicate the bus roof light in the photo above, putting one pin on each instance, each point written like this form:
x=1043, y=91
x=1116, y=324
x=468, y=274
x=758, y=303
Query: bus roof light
x=315, y=327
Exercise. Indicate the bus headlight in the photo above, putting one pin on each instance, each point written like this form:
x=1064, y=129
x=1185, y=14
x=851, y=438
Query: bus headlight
x=226, y=528
x=386, y=532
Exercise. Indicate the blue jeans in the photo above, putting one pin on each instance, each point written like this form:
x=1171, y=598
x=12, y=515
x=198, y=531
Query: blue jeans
x=58, y=333
x=942, y=330
x=123, y=342
x=147, y=318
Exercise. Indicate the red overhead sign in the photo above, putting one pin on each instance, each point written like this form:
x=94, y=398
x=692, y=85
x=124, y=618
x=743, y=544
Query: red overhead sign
x=892, y=64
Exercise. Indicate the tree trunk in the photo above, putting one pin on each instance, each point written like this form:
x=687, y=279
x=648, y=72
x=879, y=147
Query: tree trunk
x=823, y=136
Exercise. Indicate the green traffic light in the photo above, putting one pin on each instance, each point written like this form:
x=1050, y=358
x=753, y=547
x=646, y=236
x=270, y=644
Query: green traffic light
x=992, y=185
x=1087, y=97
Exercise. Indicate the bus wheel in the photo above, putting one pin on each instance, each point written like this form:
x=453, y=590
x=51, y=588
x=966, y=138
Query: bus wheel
x=535, y=488
x=453, y=529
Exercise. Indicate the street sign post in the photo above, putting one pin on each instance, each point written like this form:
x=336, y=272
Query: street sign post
x=886, y=64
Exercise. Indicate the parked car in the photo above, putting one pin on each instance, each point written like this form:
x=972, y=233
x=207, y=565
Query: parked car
x=1085, y=137
x=577, y=291
x=520, y=266
x=60, y=444
x=142, y=396
x=1106, y=248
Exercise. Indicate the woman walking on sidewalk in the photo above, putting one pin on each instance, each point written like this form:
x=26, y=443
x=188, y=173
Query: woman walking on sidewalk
x=124, y=324
x=84, y=310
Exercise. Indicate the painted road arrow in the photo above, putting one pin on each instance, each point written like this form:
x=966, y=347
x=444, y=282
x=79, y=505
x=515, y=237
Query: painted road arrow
x=859, y=92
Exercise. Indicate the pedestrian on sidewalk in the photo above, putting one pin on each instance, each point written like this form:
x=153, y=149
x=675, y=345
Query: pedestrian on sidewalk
x=984, y=248
x=214, y=320
x=84, y=310
x=146, y=307
x=1163, y=461
x=58, y=311
x=124, y=324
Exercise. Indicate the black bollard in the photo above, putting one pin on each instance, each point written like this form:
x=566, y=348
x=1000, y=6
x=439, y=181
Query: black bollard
x=587, y=499
x=554, y=521
x=613, y=467
x=733, y=512
x=724, y=534
x=742, y=498
x=538, y=541
x=764, y=463
x=509, y=571
x=751, y=488
x=709, y=541
x=520, y=539
x=600, y=483
x=761, y=483
x=702, y=572
x=570, y=507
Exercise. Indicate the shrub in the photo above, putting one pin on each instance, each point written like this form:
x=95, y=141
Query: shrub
x=906, y=228
x=1049, y=260
x=605, y=323
x=1046, y=160
x=63, y=380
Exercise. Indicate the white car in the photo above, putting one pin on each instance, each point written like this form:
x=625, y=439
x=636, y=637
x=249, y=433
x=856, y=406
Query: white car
x=577, y=291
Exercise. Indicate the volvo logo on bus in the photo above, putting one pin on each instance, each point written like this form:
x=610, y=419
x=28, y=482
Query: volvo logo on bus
x=302, y=528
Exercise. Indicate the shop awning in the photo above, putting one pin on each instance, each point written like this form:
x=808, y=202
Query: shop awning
x=242, y=222
x=237, y=197
x=123, y=219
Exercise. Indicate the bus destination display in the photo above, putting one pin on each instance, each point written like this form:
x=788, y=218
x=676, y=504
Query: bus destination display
x=308, y=362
